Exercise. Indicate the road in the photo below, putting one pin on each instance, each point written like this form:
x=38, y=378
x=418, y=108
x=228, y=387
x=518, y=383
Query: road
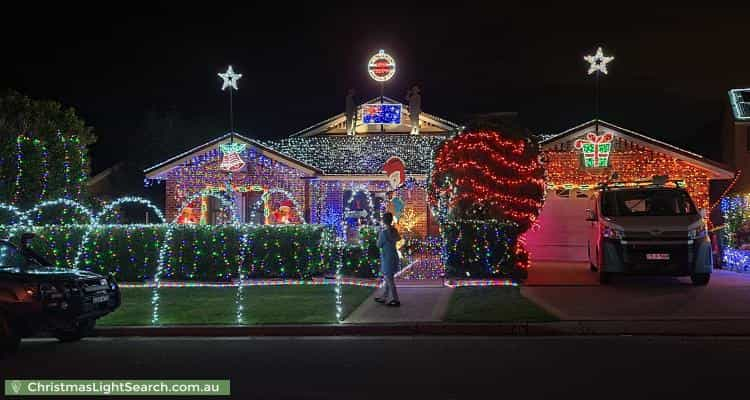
x=410, y=367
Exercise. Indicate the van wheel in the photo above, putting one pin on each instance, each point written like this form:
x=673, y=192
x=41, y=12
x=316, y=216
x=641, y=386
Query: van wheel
x=605, y=277
x=77, y=332
x=700, y=279
x=9, y=340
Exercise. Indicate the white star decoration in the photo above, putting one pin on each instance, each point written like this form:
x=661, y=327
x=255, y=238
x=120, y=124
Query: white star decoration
x=598, y=62
x=230, y=79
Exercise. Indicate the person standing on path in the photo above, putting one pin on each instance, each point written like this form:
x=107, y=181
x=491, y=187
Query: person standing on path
x=387, y=238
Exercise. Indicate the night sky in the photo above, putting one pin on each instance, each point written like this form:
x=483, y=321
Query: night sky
x=668, y=80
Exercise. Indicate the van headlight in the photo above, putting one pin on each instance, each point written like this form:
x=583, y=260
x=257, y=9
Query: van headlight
x=610, y=232
x=698, y=233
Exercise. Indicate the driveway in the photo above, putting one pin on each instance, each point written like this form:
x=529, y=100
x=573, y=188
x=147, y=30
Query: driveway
x=572, y=293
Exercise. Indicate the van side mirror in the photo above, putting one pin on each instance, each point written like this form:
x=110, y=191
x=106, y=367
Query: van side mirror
x=590, y=215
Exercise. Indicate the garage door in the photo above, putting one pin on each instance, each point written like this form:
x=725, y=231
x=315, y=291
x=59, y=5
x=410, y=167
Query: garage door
x=563, y=232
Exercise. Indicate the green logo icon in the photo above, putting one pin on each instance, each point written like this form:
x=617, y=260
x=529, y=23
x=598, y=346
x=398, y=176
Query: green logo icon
x=16, y=386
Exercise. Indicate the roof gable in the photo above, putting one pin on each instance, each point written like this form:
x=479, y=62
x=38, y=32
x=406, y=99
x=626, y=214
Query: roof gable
x=159, y=170
x=336, y=125
x=718, y=170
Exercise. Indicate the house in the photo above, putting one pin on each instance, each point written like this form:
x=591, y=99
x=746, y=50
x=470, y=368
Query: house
x=735, y=138
x=329, y=173
x=581, y=157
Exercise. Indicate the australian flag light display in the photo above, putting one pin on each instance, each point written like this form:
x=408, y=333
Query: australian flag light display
x=389, y=114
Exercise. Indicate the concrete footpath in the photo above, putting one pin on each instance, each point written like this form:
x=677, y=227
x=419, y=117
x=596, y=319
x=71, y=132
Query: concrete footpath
x=723, y=327
x=418, y=304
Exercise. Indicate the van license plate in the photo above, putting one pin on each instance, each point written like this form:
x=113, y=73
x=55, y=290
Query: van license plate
x=657, y=256
x=101, y=299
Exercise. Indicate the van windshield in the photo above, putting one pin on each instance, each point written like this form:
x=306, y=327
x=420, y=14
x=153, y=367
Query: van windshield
x=647, y=202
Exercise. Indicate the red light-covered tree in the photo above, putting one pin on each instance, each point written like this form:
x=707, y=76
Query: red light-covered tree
x=482, y=176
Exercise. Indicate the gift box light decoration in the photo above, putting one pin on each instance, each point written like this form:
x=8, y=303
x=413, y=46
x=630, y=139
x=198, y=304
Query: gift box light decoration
x=632, y=162
x=595, y=149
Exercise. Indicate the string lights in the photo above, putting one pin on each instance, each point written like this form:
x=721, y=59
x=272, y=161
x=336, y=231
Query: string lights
x=632, y=162
x=42, y=169
x=486, y=176
x=598, y=62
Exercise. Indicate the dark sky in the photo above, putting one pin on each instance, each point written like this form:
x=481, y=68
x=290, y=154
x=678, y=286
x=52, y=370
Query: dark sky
x=669, y=79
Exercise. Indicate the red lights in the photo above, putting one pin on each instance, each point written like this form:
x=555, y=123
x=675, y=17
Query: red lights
x=489, y=177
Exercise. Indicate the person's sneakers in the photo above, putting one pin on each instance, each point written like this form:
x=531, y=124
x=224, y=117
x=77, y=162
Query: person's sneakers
x=394, y=303
x=380, y=300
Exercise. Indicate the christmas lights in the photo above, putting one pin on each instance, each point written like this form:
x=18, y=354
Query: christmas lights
x=482, y=249
x=231, y=159
x=388, y=114
x=367, y=214
x=740, y=101
x=254, y=283
x=595, y=149
x=598, y=62
x=100, y=218
x=230, y=79
x=737, y=260
x=480, y=283
x=486, y=176
x=381, y=66
x=42, y=169
x=632, y=162
x=736, y=212
x=360, y=154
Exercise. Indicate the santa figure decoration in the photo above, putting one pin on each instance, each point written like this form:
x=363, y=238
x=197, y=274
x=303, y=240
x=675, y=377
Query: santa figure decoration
x=396, y=171
x=284, y=214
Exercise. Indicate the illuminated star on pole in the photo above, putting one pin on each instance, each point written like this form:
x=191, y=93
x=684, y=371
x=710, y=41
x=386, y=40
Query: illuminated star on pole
x=230, y=79
x=598, y=62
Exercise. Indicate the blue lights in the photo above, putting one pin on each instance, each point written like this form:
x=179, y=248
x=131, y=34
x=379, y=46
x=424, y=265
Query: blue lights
x=386, y=114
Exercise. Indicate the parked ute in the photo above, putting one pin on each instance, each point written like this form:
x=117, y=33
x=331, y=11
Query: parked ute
x=38, y=297
x=652, y=229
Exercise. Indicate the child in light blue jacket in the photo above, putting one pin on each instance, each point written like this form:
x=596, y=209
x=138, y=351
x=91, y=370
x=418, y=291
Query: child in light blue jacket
x=387, y=238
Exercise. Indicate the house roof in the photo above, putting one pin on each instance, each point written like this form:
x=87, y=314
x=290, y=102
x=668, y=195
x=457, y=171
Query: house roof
x=337, y=124
x=719, y=170
x=739, y=99
x=325, y=149
x=360, y=154
x=156, y=171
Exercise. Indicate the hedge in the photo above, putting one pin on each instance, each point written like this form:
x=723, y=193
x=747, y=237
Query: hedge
x=204, y=252
x=362, y=260
x=482, y=249
x=474, y=249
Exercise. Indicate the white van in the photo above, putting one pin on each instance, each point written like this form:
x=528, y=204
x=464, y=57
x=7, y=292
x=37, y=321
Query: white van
x=650, y=229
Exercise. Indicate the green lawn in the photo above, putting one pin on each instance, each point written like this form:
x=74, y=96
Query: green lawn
x=217, y=306
x=494, y=304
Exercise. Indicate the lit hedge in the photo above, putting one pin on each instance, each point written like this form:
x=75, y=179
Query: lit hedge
x=482, y=249
x=362, y=260
x=195, y=252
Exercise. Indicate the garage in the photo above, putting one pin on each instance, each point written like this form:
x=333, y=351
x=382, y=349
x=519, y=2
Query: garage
x=562, y=232
x=579, y=159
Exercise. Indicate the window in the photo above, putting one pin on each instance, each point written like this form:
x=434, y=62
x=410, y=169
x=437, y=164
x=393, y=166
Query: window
x=647, y=202
x=254, y=211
